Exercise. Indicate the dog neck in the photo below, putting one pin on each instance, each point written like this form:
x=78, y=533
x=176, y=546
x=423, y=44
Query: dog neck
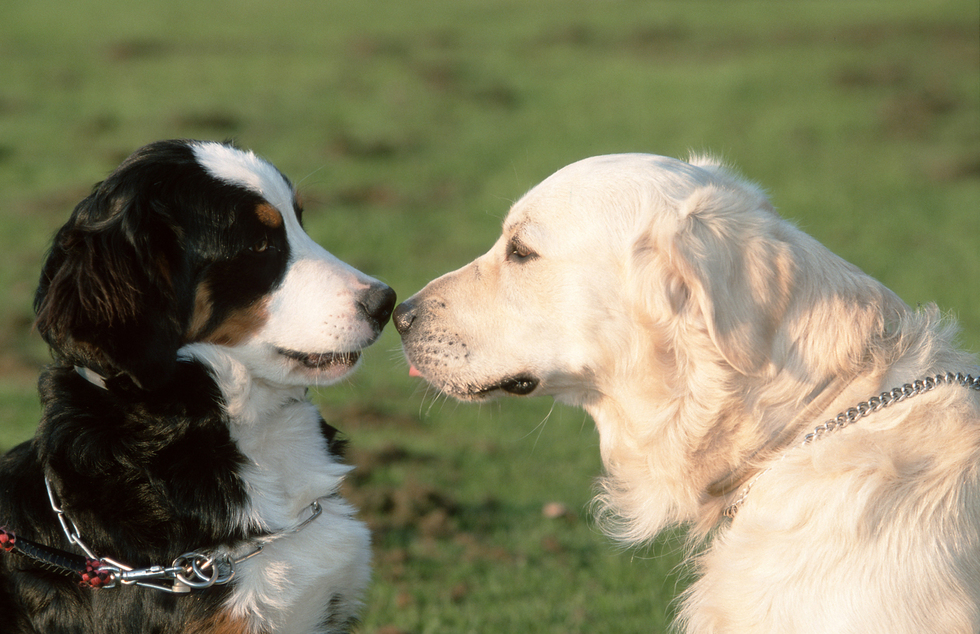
x=656, y=476
x=818, y=401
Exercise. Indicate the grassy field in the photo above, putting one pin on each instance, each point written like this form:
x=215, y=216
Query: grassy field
x=410, y=127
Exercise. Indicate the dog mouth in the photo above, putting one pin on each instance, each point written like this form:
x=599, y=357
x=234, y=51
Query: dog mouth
x=520, y=385
x=321, y=360
x=517, y=385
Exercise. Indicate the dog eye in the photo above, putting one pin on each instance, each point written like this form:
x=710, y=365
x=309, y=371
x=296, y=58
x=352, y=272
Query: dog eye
x=517, y=251
x=261, y=246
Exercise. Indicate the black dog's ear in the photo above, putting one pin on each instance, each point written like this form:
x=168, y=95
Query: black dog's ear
x=106, y=298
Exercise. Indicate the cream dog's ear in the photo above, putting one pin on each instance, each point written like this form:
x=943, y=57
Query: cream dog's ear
x=718, y=259
x=730, y=262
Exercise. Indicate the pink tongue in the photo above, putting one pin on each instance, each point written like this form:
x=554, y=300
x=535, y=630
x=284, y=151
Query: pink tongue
x=413, y=372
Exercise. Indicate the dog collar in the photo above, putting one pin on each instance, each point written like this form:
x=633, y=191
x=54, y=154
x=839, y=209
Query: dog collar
x=194, y=570
x=859, y=411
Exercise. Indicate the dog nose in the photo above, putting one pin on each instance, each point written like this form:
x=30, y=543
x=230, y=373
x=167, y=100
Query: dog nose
x=404, y=316
x=378, y=302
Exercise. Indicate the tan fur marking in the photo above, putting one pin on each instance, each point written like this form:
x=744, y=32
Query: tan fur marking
x=164, y=267
x=222, y=623
x=202, y=312
x=237, y=327
x=269, y=215
x=240, y=325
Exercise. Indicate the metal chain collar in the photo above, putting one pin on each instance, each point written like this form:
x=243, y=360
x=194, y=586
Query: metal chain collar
x=194, y=570
x=862, y=409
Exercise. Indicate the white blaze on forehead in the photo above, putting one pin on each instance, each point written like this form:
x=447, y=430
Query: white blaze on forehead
x=245, y=169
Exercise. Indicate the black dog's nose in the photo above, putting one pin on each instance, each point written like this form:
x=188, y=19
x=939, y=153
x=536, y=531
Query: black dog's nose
x=404, y=316
x=378, y=302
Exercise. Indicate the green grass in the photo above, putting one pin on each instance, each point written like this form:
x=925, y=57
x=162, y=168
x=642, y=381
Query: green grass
x=410, y=128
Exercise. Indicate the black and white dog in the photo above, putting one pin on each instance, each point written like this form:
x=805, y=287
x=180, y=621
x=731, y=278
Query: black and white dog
x=179, y=480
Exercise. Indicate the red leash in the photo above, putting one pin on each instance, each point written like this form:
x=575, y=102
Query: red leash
x=90, y=572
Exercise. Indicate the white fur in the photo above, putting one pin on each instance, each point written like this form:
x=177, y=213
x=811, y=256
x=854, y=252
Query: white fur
x=244, y=168
x=706, y=336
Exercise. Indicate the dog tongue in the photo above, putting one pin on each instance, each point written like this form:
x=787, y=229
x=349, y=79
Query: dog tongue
x=412, y=371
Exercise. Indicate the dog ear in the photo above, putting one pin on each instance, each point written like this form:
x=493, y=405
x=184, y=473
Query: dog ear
x=730, y=262
x=762, y=291
x=106, y=296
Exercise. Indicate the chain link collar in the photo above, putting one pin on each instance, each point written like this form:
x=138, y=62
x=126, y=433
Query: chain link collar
x=193, y=570
x=859, y=411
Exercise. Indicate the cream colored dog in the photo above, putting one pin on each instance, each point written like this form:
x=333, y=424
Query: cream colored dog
x=715, y=344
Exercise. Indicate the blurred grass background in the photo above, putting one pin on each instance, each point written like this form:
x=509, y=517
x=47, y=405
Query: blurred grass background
x=410, y=127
